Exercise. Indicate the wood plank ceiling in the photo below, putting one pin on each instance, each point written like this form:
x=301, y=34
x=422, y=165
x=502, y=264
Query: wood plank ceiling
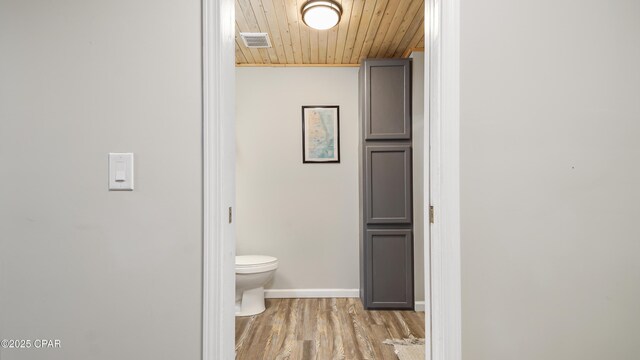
x=367, y=29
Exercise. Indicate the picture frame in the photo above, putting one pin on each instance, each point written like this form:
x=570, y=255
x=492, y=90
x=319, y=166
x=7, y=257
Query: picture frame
x=321, y=134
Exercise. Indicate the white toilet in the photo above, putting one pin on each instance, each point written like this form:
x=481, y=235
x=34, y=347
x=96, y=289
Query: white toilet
x=252, y=273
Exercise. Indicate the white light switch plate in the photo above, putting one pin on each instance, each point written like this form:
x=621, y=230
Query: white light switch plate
x=121, y=171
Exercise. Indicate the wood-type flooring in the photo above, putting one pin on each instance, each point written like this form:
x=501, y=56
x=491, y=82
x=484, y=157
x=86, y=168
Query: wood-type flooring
x=323, y=329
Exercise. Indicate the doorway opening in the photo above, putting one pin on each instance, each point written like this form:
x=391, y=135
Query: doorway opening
x=222, y=123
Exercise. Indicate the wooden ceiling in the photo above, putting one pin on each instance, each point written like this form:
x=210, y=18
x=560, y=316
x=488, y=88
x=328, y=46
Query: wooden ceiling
x=367, y=29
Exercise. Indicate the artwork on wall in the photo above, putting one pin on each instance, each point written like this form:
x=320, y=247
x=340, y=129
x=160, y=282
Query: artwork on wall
x=321, y=134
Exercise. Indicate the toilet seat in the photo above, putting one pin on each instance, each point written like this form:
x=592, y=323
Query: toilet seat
x=251, y=264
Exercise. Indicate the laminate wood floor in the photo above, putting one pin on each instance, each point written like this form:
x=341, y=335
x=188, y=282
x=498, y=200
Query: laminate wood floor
x=323, y=329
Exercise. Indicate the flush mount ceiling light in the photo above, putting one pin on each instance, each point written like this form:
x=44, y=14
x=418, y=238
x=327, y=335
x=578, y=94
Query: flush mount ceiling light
x=320, y=14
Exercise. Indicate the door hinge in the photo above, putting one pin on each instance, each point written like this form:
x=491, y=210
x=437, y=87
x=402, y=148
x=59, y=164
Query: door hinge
x=230, y=216
x=432, y=214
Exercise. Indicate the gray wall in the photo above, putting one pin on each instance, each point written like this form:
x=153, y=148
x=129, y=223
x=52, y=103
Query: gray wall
x=550, y=118
x=306, y=215
x=113, y=275
x=280, y=199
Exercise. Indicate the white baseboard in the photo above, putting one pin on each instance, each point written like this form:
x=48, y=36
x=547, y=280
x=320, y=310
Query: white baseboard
x=310, y=293
x=419, y=306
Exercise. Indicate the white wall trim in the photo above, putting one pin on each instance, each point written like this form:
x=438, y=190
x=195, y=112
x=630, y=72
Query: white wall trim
x=419, y=306
x=427, y=187
x=218, y=278
x=443, y=34
x=311, y=293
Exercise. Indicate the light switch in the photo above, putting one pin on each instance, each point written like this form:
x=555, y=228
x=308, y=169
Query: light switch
x=120, y=171
x=120, y=176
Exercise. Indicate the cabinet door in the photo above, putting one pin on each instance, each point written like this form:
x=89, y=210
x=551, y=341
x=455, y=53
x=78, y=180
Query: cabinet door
x=388, y=184
x=389, y=269
x=387, y=100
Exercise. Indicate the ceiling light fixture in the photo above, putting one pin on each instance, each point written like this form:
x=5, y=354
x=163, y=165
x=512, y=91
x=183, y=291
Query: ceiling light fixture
x=321, y=14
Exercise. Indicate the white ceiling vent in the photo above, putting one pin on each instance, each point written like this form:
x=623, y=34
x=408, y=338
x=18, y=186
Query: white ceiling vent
x=256, y=40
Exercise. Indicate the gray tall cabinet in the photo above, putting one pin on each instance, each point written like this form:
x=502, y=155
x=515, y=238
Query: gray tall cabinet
x=385, y=167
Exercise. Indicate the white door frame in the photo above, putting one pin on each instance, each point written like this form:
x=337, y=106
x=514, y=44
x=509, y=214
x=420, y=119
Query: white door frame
x=218, y=84
x=442, y=99
x=442, y=256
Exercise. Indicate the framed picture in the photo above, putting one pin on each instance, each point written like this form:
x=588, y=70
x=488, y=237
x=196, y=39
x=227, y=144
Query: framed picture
x=321, y=134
